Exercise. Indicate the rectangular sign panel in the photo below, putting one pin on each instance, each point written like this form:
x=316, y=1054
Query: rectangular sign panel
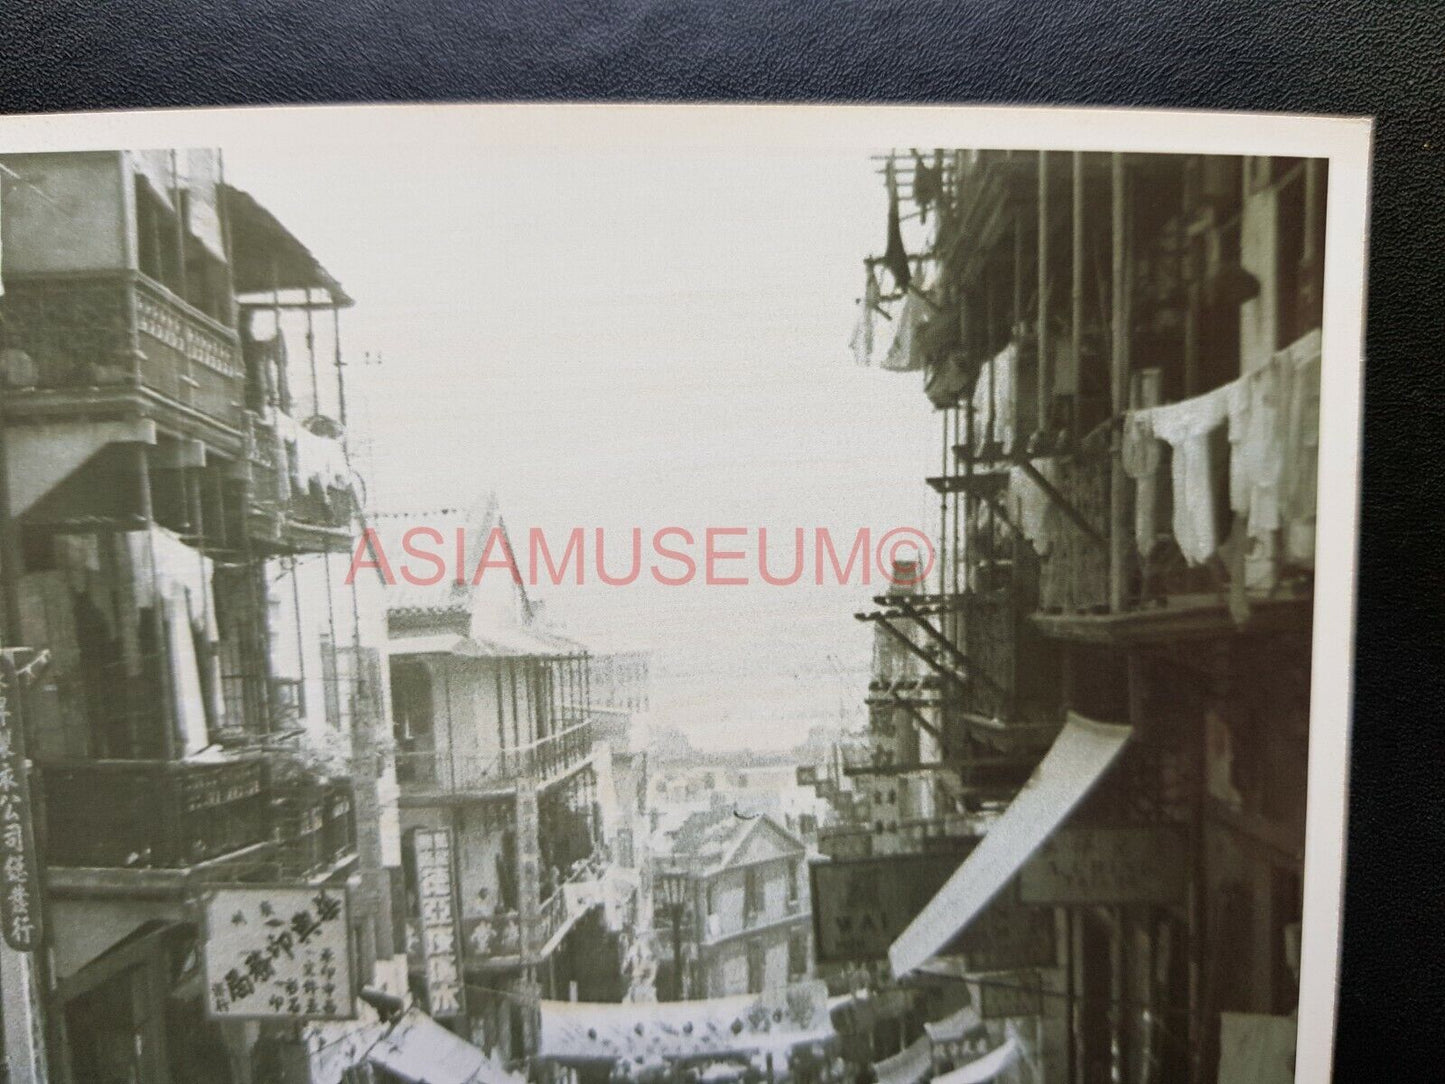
x=19, y=883
x=278, y=952
x=441, y=952
x=1134, y=864
x=861, y=905
x=1008, y=995
x=1008, y=934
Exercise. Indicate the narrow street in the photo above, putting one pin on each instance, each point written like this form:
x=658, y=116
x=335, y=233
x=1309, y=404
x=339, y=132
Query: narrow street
x=827, y=620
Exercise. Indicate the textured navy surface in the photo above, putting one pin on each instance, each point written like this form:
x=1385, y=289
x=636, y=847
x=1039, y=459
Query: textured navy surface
x=1385, y=59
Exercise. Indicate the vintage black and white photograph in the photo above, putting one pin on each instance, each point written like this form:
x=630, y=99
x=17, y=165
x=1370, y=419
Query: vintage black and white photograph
x=675, y=595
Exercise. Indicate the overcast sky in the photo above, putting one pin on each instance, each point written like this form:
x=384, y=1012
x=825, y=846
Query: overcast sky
x=630, y=338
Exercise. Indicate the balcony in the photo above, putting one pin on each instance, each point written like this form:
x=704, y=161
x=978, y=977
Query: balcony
x=314, y=828
x=1248, y=510
x=444, y=772
x=105, y=336
x=142, y=814
x=301, y=493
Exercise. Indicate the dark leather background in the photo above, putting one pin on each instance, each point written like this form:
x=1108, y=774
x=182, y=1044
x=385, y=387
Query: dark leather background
x=1385, y=59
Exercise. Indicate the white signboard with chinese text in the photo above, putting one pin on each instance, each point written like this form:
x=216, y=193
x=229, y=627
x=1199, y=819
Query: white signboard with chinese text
x=1089, y=865
x=278, y=953
x=19, y=885
x=436, y=890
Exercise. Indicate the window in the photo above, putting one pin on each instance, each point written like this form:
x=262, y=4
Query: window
x=797, y=956
x=754, y=900
x=794, y=875
x=757, y=967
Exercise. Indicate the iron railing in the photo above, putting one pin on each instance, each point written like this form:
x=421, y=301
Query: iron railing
x=153, y=814
x=548, y=758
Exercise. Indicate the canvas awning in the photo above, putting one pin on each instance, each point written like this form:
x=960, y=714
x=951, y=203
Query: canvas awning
x=910, y=1065
x=985, y=1068
x=1079, y=757
x=955, y=1027
x=421, y=1051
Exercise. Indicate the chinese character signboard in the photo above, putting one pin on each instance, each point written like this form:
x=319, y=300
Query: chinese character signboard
x=278, y=953
x=1137, y=864
x=436, y=890
x=861, y=905
x=19, y=884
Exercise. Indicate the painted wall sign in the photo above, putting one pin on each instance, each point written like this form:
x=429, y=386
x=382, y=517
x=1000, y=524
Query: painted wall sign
x=278, y=952
x=1134, y=864
x=441, y=951
x=19, y=881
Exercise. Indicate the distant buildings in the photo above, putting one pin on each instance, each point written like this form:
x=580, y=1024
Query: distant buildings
x=736, y=911
x=501, y=748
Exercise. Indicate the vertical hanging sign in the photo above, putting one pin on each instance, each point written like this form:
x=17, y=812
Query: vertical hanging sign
x=436, y=889
x=19, y=883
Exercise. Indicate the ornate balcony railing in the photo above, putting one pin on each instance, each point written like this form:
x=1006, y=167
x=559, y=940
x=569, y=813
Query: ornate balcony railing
x=116, y=329
x=153, y=814
x=445, y=771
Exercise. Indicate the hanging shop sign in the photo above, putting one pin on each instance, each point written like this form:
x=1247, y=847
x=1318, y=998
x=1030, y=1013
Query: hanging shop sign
x=861, y=905
x=1003, y=995
x=19, y=880
x=441, y=951
x=278, y=952
x=1008, y=934
x=1117, y=865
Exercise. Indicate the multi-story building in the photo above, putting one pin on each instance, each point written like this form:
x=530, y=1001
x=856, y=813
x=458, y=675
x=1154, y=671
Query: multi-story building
x=206, y=691
x=736, y=915
x=1125, y=353
x=497, y=745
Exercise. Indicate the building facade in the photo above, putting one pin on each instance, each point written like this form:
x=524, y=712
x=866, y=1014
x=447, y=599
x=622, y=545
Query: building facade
x=737, y=917
x=1124, y=353
x=498, y=746
x=203, y=696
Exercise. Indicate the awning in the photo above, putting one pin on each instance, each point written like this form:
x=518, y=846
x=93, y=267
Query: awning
x=1080, y=755
x=775, y=1020
x=421, y=1051
x=266, y=256
x=985, y=1068
x=955, y=1027
x=909, y=1066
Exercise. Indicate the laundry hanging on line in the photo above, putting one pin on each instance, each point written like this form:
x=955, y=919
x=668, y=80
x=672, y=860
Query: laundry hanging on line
x=895, y=255
x=864, y=333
